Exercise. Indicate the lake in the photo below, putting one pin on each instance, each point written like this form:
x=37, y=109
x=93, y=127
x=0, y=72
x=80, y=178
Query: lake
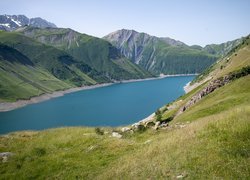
x=115, y=105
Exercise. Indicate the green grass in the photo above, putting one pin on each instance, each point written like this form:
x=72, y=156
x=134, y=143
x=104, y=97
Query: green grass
x=215, y=144
x=223, y=99
x=22, y=82
x=95, y=52
x=156, y=56
x=237, y=58
x=213, y=147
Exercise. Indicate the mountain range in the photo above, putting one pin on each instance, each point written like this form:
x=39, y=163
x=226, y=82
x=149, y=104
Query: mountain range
x=13, y=22
x=203, y=134
x=61, y=58
x=166, y=55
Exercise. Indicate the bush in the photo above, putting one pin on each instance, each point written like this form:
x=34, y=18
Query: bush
x=168, y=119
x=158, y=115
x=141, y=128
x=39, y=151
x=98, y=131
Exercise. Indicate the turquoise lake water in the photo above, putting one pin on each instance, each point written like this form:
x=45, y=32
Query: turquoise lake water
x=115, y=105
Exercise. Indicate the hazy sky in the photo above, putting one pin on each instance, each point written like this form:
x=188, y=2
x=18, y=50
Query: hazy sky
x=191, y=21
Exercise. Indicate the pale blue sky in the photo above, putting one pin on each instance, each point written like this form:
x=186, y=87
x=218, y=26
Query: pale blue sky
x=191, y=21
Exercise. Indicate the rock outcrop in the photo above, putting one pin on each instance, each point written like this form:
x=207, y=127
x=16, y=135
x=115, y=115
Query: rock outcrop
x=213, y=85
x=13, y=22
x=5, y=156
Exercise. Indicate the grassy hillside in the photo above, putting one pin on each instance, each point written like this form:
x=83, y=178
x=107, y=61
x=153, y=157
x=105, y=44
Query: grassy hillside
x=210, y=140
x=222, y=49
x=20, y=79
x=57, y=62
x=237, y=58
x=29, y=68
x=212, y=146
x=160, y=55
x=95, y=52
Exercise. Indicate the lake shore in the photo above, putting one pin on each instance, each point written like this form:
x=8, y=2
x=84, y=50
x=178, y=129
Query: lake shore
x=8, y=106
x=189, y=87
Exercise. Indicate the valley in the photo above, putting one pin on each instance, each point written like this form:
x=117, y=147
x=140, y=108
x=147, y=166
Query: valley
x=127, y=105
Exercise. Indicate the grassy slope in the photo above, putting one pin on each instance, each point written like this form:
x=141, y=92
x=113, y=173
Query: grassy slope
x=215, y=144
x=155, y=55
x=234, y=60
x=57, y=62
x=96, y=52
x=182, y=60
x=20, y=79
x=29, y=68
x=22, y=82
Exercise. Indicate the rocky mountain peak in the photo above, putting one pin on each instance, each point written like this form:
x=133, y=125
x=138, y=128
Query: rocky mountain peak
x=125, y=35
x=13, y=22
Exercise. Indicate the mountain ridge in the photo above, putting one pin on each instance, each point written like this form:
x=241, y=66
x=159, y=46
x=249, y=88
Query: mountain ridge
x=13, y=22
x=160, y=55
x=209, y=140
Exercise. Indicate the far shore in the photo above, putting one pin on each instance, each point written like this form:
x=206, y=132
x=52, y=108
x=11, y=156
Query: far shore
x=8, y=106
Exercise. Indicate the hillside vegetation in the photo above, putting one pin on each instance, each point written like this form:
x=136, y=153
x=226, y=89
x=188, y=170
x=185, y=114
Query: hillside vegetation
x=95, y=52
x=163, y=55
x=210, y=140
x=30, y=68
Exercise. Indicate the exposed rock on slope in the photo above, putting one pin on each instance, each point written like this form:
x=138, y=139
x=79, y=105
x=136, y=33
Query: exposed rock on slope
x=13, y=22
x=97, y=53
x=160, y=55
x=213, y=85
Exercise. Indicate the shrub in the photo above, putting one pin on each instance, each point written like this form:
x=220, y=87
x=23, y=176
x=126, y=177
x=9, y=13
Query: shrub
x=39, y=151
x=98, y=131
x=158, y=115
x=141, y=128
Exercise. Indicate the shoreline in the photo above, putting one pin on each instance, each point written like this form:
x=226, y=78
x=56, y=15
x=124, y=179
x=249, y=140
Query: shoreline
x=154, y=78
x=187, y=88
x=9, y=106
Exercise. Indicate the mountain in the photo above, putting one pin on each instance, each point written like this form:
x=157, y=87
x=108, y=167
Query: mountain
x=30, y=68
x=20, y=78
x=13, y=22
x=207, y=140
x=223, y=48
x=55, y=68
x=97, y=53
x=160, y=55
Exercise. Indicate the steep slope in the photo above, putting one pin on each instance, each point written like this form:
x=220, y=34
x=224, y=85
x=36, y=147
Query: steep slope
x=160, y=55
x=20, y=79
x=222, y=49
x=25, y=62
x=210, y=140
x=13, y=22
x=95, y=52
x=215, y=92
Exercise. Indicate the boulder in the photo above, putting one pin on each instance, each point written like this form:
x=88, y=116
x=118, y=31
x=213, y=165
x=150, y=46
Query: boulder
x=157, y=125
x=5, y=156
x=150, y=124
x=125, y=129
x=116, y=134
x=135, y=125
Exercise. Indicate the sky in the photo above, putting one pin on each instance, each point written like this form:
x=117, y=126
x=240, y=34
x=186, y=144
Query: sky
x=194, y=22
